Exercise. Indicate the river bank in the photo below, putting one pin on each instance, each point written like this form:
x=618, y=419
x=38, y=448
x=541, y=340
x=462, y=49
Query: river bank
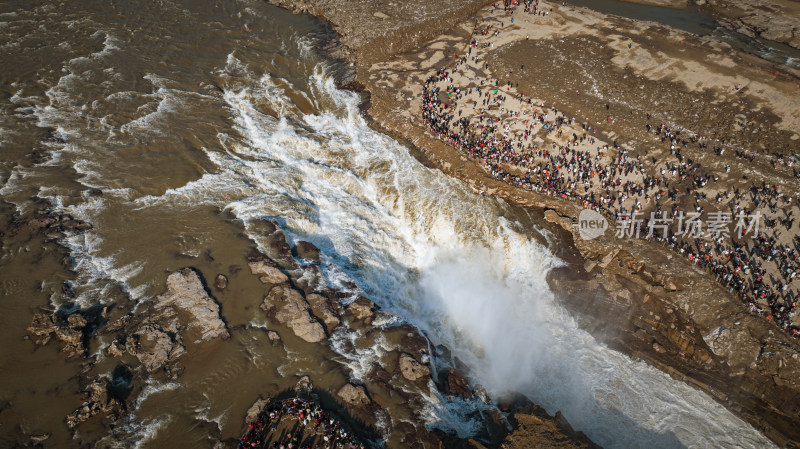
x=194, y=216
x=646, y=302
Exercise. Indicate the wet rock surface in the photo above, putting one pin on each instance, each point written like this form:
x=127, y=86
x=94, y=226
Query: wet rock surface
x=255, y=410
x=774, y=20
x=221, y=282
x=274, y=337
x=289, y=307
x=640, y=302
x=412, y=369
x=44, y=221
x=159, y=334
x=99, y=401
x=456, y=385
x=186, y=293
x=307, y=250
x=362, y=309
x=354, y=395
x=156, y=344
x=267, y=272
x=69, y=331
x=323, y=308
x=394, y=386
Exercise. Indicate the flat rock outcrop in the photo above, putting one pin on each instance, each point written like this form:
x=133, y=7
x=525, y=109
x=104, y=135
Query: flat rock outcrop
x=289, y=308
x=267, y=272
x=186, y=293
x=322, y=308
x=156, y=343
x=183, y=314
x=411, y=369
x=354, y=395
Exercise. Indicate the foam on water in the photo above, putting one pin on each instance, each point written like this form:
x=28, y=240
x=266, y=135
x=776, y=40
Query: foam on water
x=361, y=360
x=203, y=412
x=98, y=273
x=93, y=268
x=428, y=250
x=153, y=387
x=134, y=433
x=423, y=246
x=452, y=414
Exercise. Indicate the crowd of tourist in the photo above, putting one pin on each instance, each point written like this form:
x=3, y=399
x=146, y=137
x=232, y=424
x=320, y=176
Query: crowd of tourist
x=298, y=423
x=542, y=149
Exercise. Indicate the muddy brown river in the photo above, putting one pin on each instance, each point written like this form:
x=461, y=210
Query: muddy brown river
x=175, y=128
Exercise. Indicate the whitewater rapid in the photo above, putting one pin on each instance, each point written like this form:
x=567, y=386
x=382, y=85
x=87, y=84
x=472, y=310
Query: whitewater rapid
x=462, y=267
x=433, y=253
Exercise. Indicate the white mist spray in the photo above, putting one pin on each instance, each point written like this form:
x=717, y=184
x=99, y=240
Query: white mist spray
x=437, y=255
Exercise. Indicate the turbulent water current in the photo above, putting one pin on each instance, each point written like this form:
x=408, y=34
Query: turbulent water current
x=196, y=121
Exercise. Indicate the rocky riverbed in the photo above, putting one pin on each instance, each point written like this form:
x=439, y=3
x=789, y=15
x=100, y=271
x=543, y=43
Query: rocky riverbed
x=643, y=300
x=777, y=21
x=154, y=338
x=157, y=240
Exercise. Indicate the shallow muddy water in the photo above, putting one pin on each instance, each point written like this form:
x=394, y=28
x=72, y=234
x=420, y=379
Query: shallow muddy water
x=175, y=130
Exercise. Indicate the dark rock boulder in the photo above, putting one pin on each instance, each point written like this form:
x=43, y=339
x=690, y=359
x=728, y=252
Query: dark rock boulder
x=480, y=392
x=307, y=250
x=496, y=425
x=456, y=385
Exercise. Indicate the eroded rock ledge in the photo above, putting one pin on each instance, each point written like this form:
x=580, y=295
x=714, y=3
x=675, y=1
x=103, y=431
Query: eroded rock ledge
x=184, y=314
x=153, y=340
x=396, y=385
x=777, y=21
x=157, y=336
x=642, y=300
